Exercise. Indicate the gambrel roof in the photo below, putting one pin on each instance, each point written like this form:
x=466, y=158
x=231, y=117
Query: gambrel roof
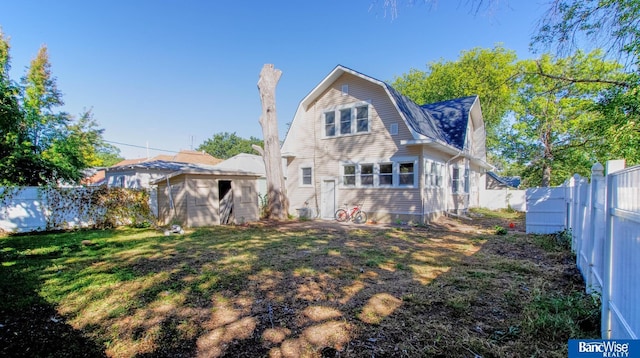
x=443, y=123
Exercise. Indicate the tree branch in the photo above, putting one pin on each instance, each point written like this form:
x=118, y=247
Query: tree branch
x=581, y=80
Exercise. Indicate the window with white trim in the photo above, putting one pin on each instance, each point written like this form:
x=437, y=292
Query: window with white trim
x=433, y=174
x=395, y=174
x=330, y=124
x=345, y=121
x=406, y=173
x=362, y=119
x=385, y=174
x=366, y=174
x=306, y=176
x=349, y=175
x=455, y=179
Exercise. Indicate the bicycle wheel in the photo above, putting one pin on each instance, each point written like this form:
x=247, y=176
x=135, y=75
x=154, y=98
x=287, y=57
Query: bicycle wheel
x=360, y=217
x=342, y=215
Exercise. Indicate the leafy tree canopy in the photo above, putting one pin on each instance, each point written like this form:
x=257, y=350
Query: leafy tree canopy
x=488, y=73
x=38, y=143
x=225, y=145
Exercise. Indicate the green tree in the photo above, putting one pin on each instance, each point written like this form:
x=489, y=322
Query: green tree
x=10, y=114
x=225, y=145
x=38, y=144
x=488, y=73
x=615, y=26
x=552, y=116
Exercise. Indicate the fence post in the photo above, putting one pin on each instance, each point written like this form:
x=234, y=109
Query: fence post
x=594, y=233
x=569, y=198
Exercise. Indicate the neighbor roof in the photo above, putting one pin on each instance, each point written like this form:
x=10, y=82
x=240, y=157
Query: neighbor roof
x=512, y=182
x=163, y=165
x=243, y=162
x=184, y=156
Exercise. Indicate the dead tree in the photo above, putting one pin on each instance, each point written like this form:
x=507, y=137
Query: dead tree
x=277, y=202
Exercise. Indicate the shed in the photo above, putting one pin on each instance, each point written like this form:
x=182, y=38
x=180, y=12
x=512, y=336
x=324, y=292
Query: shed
x=247, y=162
x=196, y=197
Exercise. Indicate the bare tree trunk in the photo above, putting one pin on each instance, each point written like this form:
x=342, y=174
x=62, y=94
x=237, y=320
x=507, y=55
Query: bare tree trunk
x=277, y=203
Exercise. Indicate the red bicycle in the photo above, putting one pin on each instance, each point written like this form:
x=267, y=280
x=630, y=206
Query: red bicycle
x=356, y=214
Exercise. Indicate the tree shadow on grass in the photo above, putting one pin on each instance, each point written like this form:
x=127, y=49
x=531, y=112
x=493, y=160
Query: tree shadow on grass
x=36, y=329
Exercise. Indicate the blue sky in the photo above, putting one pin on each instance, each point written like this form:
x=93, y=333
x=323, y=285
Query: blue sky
x=169, y=74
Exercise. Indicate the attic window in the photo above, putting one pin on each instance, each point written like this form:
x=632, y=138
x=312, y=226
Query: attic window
x=393, y=128
x=345, y=90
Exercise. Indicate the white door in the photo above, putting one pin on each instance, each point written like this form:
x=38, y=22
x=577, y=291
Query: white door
x=328, y=199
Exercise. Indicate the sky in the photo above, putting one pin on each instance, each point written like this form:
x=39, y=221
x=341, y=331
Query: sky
x=169, y=74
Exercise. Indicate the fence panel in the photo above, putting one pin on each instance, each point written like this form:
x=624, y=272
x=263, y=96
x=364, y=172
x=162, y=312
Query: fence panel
x=503, y=198
x=546, y=210
x=621, y=293
x=23, y=211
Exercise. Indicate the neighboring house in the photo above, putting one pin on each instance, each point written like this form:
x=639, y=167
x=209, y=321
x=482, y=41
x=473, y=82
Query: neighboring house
x=138, y=173
x=355, y=139
x=94, y=177
x=494, y=181
x=205, y=195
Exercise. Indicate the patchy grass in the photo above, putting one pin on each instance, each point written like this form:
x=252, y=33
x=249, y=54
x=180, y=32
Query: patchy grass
x=294, y=289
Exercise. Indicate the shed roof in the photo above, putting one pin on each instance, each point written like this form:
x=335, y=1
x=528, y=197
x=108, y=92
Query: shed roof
x=195, y=169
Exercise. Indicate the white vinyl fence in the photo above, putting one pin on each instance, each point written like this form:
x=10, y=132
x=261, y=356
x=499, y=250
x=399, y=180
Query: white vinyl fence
x=604, y=218
x=503, y=198
x=27, y=210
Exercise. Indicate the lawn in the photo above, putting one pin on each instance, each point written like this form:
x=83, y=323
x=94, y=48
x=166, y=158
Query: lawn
x=310, y=288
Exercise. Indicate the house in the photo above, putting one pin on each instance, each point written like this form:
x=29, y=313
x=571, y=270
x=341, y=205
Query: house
x=494, y=181
x=356, y=140
x=138, y=173
x=198, y=195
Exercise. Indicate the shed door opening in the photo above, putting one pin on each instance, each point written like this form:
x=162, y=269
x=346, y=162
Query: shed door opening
x=226, y=202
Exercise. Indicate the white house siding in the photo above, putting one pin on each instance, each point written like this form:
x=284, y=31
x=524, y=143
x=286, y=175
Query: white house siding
x=326, y=155
x=134, y=179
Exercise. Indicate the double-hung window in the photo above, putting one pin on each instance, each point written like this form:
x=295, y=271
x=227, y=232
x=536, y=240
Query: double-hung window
x=433, y=174
x=362, y=119
x=366, y=174
x=455, y=179
x=345, y=121
x=330, y=124
x=385, y=176
x=406, y=173
x=306, y=177
x=349, y=175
